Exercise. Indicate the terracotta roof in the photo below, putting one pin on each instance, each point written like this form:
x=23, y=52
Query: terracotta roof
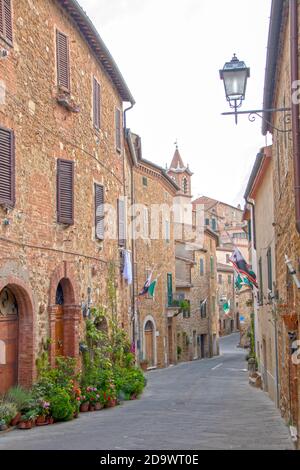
x=177, y=161
x=209, y=203
x=97, y=45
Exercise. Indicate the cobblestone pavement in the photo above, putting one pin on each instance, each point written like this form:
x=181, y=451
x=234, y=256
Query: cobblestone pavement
x=205, y=404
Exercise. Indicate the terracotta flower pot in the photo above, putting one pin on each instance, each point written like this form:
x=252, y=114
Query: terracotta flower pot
x=98, y=406
x=50, y=420
x=84, y=407
x=111, y=403
x=92, y=407
x=40, y=420
x=25, y=424
x=16, y=420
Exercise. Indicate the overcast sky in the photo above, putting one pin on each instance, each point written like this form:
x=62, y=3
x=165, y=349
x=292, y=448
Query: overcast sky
x=170, y=53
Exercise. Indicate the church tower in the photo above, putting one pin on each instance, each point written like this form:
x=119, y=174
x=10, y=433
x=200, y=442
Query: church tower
x=182, y=175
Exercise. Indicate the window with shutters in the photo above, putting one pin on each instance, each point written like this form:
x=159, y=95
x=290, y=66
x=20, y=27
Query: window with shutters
x=99, y=212
x=269, y=264
x=96, y=104
x=121, y=222
x=6, y=27
x=201, y=267
x=65, y=192
x=118, y=129
x=7, y=167
x=63, y=61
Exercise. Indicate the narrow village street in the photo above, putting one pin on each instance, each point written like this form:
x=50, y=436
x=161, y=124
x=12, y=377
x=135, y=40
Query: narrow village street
x=205, y=404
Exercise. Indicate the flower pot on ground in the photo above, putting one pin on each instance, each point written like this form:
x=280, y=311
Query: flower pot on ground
x=41, y=420
x=84, y=407
x=25, y=424
x=144, y=365
x=28, y=419
x=92, y=407
x=50, y=420
x=98, y=406
x=15, y=421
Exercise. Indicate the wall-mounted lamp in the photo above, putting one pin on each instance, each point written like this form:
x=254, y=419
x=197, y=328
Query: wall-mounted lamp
x=292, y=271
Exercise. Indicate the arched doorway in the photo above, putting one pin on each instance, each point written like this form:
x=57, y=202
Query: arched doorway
x=9, y=337
x=149, y=343
x=16, y=335
x=65, y=317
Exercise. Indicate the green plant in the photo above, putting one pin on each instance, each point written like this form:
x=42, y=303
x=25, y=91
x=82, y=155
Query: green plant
x=60, y=405
x=30, y=415
x=7, y=412
x=179, y=351
x=20, y=397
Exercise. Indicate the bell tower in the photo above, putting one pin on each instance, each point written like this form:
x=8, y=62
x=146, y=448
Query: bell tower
x=181, y=174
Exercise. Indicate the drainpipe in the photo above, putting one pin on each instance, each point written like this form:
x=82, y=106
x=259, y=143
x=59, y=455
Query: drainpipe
x=295, y=106
x=125, y=111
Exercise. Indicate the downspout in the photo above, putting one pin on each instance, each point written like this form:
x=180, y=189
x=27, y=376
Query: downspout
x=295, y=106
x=125, y=111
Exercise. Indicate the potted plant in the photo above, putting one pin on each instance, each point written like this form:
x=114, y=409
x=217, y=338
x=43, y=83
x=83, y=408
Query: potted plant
x=3, y=425
x=144, y=365
x=43, y=412
x=28, y=419
x=84, y=404
x=8, y=412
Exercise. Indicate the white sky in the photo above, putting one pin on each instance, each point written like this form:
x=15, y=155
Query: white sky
x=170, y=53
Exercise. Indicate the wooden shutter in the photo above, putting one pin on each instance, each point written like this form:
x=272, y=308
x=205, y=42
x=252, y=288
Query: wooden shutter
x=99, y=211
x=6, y=29
x=7, y=167
x=121, y=222
x=63, y=64
x=118, y=129
x=96, y=103
x=65, y=192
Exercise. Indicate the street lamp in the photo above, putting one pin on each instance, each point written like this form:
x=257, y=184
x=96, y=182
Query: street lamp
x=235, y=75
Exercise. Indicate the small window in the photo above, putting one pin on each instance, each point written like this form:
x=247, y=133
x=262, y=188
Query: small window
x=220, y=279
x=212, y=266
x=99, y=211
x=229, y=279
x=7, y=167
x=6, y=26
x=145, y=181
x=65, y=192
x=63, y=61
x=168, y=235
x=118, y=129
x=96, y=103
x=122, y=222
x=207, y=222
x=201, y=267
x=203, y=308
x=227, y=258
x=214, y=224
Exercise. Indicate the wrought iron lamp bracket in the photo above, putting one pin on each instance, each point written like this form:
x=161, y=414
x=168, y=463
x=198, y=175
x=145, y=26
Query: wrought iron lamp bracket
x=254, y=113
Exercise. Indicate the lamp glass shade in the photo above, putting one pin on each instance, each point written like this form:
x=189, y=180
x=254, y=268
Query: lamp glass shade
x=235, y=75
x=235, y=84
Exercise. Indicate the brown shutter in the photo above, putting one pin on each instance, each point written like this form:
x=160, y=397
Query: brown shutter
x=96, y=103
x=121, y=222
x=8, y=21
x=118, y=129
x=65, y=192
x=63, y=65
x=7, y=167
x=2, y=17
x=99, y=212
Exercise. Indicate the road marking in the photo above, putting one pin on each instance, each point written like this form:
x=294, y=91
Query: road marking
x=216, y=367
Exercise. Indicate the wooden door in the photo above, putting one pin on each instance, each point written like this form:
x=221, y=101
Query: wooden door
x=202, y=346
x=149, y=343
x=59, y=331
x=195, y=345
x=9, y=338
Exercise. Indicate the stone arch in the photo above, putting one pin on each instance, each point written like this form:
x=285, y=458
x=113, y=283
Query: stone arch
x=64, y=316
x=149, y=320
x=26, y=326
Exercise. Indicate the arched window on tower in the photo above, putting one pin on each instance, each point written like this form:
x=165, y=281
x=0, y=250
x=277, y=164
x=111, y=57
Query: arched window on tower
x=185, y=186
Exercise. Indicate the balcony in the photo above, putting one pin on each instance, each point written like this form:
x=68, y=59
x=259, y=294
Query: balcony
x=178, y=304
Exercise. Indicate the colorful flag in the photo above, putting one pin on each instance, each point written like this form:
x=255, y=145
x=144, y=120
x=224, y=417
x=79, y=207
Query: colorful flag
x=242, y=267
x=146, y=286
x=151, y=289
x=242, y=281
x=226, y=307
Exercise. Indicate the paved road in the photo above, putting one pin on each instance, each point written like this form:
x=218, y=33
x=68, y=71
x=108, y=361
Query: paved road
x=205, y=404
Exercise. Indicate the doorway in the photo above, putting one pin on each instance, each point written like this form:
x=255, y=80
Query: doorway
x=149, y=343
x=9, y=337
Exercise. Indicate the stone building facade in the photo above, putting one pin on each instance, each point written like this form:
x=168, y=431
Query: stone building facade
x=282, y=74
x=197, y=330
x=62, y=153
x=258, y=192
x=154, y=251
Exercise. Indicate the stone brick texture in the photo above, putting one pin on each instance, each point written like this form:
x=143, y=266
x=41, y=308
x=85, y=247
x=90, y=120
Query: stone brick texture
x=34, y=246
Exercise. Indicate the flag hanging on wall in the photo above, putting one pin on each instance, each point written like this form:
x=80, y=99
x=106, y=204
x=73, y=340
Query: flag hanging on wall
x=146, y=286
x=242, y=267
x=226, y=307
x=151, y=290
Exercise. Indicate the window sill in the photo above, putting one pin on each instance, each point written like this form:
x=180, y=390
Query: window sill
x=63, y=99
